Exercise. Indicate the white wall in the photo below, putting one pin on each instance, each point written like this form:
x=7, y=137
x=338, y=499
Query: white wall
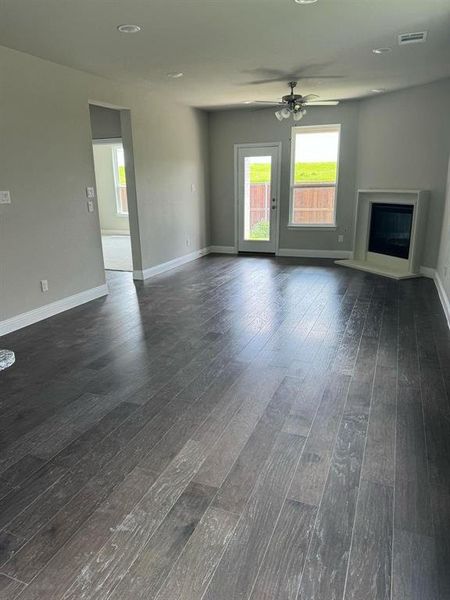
x=46, y=161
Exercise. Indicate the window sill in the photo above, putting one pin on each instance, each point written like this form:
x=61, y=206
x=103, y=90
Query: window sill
x=324, y=227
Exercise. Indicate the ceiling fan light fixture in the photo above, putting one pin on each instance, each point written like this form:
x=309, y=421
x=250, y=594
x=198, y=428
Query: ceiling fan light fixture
x=295, y=104
x=305, y=1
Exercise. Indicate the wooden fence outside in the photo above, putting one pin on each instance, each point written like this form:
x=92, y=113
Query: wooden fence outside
x=311, y=205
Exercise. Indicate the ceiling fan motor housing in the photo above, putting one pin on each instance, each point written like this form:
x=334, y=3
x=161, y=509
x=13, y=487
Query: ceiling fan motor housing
x=294, y=102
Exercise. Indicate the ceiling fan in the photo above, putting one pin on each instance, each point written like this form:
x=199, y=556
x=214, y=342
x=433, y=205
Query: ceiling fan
x=294, y=104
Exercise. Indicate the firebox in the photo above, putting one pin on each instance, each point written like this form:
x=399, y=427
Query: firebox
x=390, y=229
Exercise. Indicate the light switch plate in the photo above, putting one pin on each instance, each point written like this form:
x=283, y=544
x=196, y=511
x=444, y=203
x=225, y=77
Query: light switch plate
x=90, y=192
x=5, y=197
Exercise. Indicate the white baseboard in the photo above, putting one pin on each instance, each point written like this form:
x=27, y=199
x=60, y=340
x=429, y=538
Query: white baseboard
x=59, y=306
x=315, y=253
x=49, y=310
x=428, y=272
x=223, y=249
x=171, y=264
x=445, y=301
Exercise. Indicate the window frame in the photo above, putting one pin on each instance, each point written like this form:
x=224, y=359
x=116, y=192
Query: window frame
x=117, y=184
x=292, y=185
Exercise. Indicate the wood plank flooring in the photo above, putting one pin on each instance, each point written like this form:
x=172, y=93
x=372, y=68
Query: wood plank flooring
x=240, y=428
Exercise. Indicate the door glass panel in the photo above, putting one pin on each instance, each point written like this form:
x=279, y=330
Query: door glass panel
x=257, y=184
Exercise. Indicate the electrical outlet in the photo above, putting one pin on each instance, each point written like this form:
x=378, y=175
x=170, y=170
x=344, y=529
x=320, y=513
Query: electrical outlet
x=5, y=197
x=44, y=285
x=340, y=238
x=188, y=241
x=90, y=192
x=193, y=187
x=90, y=206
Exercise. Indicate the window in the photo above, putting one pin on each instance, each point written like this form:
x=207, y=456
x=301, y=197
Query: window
x=120, y=180
x=314, y=172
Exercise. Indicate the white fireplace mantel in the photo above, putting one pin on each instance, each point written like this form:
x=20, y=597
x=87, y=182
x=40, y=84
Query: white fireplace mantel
x=381, y=264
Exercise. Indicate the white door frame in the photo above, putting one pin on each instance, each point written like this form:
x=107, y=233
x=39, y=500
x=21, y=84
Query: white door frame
x=237, y=147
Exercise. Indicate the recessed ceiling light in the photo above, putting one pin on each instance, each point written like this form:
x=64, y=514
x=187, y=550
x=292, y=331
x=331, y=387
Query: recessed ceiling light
x=128, y=28
x=378, y=90
x=247, y=102
x=305, y=1
x=381, y=50
x=175, y=75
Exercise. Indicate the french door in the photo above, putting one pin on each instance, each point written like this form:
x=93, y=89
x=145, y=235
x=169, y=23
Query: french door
x=257, y=197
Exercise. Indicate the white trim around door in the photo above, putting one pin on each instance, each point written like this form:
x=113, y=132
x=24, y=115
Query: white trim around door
x=272, y=245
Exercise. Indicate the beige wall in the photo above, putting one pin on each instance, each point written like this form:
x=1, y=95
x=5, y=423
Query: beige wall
x=106, y=191
x=46, y=162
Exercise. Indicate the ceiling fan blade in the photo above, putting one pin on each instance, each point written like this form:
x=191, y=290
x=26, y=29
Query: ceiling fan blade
x=270, y=102
x=309, y=97
x=323, y=103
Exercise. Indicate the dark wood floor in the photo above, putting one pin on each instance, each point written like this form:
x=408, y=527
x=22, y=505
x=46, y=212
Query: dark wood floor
x=239, y=428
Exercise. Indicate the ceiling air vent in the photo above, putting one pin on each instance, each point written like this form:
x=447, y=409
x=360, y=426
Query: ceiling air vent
x=417, y=37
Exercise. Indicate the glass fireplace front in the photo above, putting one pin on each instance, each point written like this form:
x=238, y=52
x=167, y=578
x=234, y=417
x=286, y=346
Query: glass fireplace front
x=390, y=229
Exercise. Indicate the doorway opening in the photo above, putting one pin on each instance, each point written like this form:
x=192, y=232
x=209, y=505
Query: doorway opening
x=114, y=175
x=110, y=176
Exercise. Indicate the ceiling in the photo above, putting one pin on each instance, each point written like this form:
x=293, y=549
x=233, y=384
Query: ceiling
x=222, y=46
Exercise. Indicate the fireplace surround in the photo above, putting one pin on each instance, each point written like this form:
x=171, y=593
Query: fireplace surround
x=389, y=232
